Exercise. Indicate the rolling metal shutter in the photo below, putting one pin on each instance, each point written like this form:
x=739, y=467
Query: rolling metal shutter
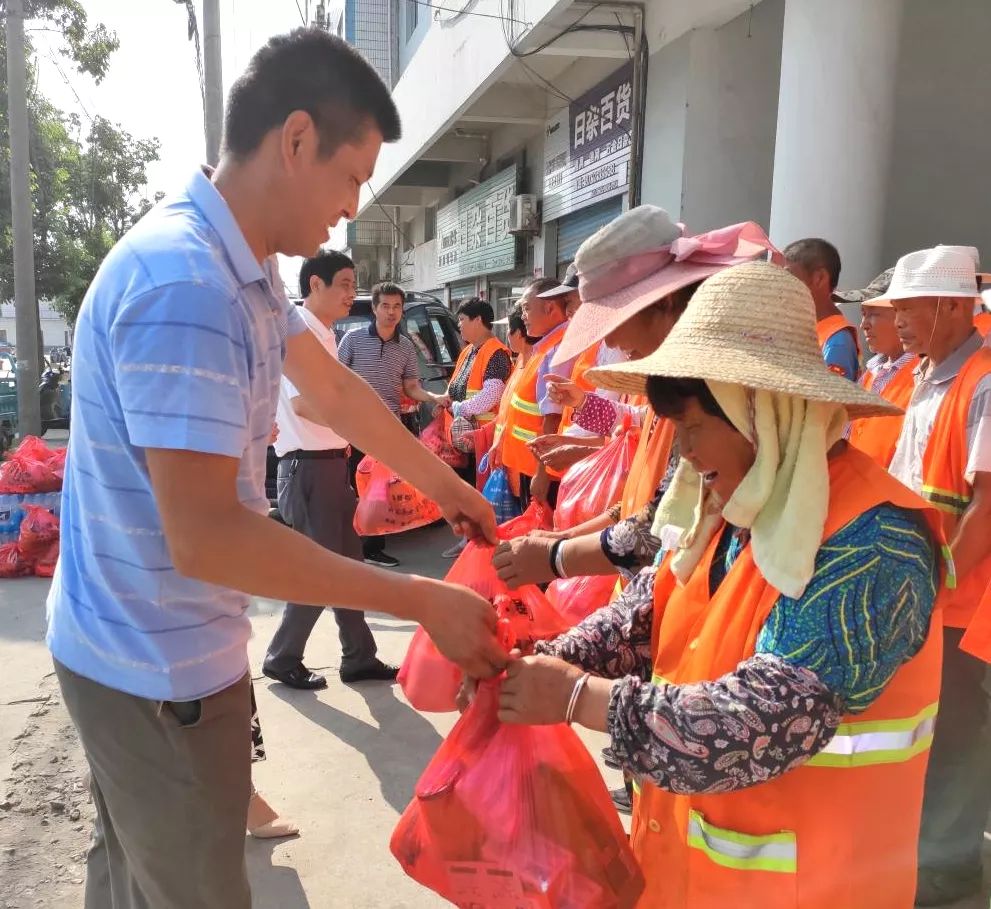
x=574, y=229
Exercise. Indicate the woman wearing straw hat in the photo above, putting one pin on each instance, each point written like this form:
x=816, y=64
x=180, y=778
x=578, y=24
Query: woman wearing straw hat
x=773, y=683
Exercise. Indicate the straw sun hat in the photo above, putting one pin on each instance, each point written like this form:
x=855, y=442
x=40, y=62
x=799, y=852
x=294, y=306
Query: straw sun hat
x=751, y=325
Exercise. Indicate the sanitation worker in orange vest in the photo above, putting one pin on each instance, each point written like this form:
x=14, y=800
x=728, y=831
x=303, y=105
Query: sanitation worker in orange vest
x=639, y=274
x=816, y=263
x=532, y=413
x=889, y=373
x=944, y=453
x=773, y=684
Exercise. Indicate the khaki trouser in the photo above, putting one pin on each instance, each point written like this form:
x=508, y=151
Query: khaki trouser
x=171, y=783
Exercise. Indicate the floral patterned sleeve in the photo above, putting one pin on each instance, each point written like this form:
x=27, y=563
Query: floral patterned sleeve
x=613, y=641
x=751, y=725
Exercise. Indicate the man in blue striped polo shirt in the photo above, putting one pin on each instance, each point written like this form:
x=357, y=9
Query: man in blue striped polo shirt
x=180, y=346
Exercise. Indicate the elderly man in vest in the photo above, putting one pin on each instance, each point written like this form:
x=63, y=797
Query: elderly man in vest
x=944, y=453
x=532, y=413
x=816, y=263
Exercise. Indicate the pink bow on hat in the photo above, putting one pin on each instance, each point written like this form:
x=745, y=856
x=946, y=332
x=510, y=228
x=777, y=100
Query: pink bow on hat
x=730, y=245
x=725, y=245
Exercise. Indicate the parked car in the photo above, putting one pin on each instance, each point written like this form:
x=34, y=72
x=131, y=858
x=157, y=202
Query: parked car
x=434, y=332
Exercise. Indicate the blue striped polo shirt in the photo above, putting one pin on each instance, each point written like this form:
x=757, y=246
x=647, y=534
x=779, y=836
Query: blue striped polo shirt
x=179, y=345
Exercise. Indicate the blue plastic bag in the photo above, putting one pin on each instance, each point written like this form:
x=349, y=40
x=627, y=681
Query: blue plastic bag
x=497, y=491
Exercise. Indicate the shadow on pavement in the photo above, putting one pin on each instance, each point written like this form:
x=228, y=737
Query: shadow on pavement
x=271, y=884
x=397, y=748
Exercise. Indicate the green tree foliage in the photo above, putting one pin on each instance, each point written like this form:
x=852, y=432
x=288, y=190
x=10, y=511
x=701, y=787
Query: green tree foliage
x=88, y=178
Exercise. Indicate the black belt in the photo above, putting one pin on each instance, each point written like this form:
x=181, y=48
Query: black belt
x=326, y=454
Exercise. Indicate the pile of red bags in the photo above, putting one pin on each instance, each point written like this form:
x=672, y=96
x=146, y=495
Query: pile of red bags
x=387, y=503
x=595, y=483
x=32, y=467
x=507, y=816
x=37, y=547
x=430, y=680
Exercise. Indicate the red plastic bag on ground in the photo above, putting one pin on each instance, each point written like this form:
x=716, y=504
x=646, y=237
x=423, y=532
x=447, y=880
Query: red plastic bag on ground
x=12, y=562
x=32, y=467
x=429, y=679
x=577, y=598
x=437, y=437
x=39, y=529
x=45, y=566
x=387, y=503
x=595, y=483
x=508, y=816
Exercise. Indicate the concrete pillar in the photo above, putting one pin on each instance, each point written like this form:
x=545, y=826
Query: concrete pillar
x=835, y=116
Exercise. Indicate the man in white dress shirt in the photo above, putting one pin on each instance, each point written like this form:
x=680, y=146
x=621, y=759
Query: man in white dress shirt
x=315, y=495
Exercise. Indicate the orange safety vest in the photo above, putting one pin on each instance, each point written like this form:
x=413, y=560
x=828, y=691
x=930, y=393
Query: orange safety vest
x=839, y=831
x=878, y=436
x=945, y=486
x=586, y=360
x=982, y=322
x=476, y=377
x=524, y=421
x=649, y=463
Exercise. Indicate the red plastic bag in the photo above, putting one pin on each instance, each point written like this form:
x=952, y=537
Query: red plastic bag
x=507, y=816
x=595, y=483
x=39, y=529
x=12, y=562
x=437, y=437
x=387, y=503
x=45, y=566
x=32, y=467
x=577, y=598
x=429, y=679
x=536, y=517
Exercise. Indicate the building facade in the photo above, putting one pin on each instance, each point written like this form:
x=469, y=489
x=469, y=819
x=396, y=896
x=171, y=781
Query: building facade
x=530, y=123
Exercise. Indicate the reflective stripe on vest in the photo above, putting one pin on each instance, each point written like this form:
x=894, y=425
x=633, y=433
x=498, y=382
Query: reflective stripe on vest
x=880, y=742
x=524, y=435
x=946, y=499
x=775, y=852
x=530, y=407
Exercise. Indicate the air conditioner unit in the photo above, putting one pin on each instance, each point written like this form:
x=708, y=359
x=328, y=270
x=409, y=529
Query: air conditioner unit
x=524, y=215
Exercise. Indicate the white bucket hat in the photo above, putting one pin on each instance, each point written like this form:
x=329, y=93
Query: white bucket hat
x=943, y=271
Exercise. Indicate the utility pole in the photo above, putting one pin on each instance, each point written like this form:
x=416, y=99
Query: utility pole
x=21, y=216
x=213, y=79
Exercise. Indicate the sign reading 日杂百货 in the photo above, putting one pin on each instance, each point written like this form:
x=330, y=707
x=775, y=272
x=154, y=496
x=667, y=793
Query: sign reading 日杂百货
x=473, y=231
x=587, y=147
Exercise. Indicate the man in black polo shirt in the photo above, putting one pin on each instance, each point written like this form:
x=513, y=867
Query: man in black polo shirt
x=386, y=359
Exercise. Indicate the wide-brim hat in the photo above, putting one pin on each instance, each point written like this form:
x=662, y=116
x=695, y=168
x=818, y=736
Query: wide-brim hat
x=752, y=325
x=640, y=258
x=943, y=271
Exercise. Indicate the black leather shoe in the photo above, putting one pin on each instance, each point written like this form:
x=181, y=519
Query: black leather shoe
x=298, y=677
x=374, y=672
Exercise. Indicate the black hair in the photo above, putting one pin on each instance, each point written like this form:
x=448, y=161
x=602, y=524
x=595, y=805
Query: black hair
x=476, y=308
x=812, y=253
x=542, y=285
x=669, y=396
x=314, y=71
x=324, y=265
x=387, y=289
